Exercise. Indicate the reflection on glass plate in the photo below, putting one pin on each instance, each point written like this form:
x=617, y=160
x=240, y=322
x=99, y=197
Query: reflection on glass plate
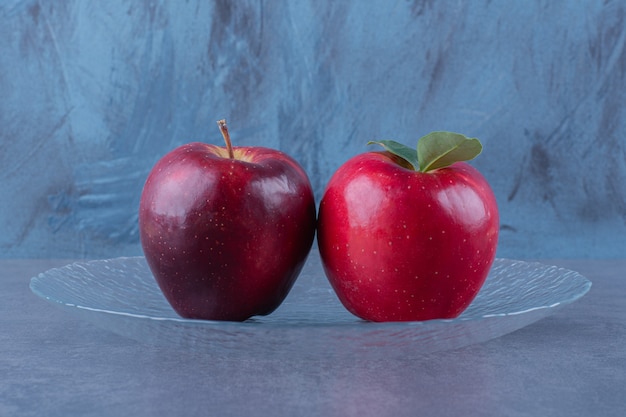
x=121, y=295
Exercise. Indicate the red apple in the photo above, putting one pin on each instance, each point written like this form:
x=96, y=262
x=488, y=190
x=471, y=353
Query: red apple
x=226, y=230
x=408, y=237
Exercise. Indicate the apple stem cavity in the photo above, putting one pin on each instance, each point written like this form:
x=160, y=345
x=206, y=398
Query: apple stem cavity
x=226, y=135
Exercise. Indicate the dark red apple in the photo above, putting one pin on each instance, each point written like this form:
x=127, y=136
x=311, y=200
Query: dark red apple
x=226, y=230
x=408, y=237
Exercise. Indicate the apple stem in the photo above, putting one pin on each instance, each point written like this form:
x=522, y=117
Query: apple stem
x=224, y=130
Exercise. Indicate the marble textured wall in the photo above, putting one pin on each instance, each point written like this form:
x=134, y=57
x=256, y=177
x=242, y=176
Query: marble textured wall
x=93, y=93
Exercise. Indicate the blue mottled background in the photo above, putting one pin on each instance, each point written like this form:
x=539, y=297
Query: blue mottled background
x=93, y=93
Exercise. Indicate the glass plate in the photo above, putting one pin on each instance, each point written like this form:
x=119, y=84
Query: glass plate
x=121, y=295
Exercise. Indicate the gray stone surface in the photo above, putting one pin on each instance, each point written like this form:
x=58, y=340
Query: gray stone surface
x=570, y=364
x=93, y=93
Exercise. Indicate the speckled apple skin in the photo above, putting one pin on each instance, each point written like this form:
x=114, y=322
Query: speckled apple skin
x=226, y=238
x=401, y=245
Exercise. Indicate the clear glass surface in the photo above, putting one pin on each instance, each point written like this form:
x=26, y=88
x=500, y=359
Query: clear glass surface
x=121, y=295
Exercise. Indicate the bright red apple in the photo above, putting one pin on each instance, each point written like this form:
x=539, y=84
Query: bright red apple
x=226, y=230
x=408, y=237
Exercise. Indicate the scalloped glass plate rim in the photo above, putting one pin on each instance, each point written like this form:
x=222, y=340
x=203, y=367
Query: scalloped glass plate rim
x=255, y=323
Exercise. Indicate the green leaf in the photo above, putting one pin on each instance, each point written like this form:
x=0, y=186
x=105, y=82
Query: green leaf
x=440, y=149
x=400, y=150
